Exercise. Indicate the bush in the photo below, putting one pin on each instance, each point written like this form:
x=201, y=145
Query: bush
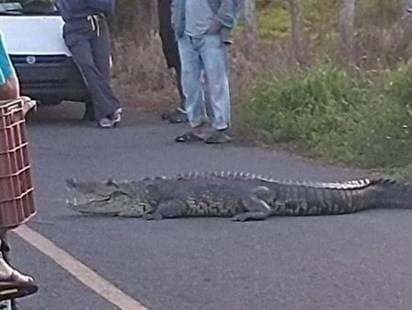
x=360, y=118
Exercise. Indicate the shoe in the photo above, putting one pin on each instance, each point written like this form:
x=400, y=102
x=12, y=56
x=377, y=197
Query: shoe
x=112, y=120
x=106, y=122
x=181, y=110
x=218, y=137
x=117, y=116
x=175, y=117
x=188, y=137
x=198, y=133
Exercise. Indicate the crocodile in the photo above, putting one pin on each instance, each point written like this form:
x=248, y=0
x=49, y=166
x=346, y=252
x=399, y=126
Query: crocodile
x=242, y=196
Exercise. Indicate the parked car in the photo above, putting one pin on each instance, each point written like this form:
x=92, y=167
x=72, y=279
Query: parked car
x=32, y=30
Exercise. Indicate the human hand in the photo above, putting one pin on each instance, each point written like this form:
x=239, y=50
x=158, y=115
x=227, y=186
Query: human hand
x=215, y=27
x=28, y=104
x=227, y=37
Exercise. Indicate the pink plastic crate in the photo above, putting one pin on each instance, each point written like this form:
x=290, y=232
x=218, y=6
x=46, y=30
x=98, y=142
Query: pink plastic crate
x=16, y=188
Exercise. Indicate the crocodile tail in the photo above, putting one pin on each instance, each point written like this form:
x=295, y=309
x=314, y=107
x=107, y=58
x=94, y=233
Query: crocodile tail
x=392, y=194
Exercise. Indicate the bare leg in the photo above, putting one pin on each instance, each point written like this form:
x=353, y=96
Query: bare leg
x=7, y=273
x=13, y=284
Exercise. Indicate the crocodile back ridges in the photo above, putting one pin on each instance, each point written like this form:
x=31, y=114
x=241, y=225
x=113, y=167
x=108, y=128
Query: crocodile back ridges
x=342, y=185
x=307, y=198
x=245, y=176
x=341, y=198
x=299, y=198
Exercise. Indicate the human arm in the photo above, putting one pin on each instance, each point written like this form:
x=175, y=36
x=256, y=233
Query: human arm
x=226, y=16
x=9, y=84
x=228, y=12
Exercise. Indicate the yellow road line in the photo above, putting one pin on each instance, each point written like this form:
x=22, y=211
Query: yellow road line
x=79, y=270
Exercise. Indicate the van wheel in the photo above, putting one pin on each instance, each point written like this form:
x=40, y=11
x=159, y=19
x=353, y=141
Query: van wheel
x=50, y=102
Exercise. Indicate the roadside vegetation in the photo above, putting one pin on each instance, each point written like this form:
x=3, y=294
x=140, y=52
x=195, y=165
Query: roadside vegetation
x=356, y=113
x=362, y=118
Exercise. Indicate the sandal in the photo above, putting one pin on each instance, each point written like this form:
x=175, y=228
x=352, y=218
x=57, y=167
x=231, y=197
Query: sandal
x=218, y=137
x=16, y=287
x=188, y=137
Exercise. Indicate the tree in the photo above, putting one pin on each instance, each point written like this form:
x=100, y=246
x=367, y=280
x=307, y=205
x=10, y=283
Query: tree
x=250, y=29
x=299, y=44
x=347, y=30
x=401, y=31
x=135, y=20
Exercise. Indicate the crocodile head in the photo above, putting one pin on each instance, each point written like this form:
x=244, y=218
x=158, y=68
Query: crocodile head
x=109, y=198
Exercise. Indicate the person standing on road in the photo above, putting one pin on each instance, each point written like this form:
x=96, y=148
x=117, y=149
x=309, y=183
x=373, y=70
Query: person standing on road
x=202, y=27
x=12, y=283
x=171, y=54
x=87, y=36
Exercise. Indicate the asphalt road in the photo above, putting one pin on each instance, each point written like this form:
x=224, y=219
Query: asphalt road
x=360, y=261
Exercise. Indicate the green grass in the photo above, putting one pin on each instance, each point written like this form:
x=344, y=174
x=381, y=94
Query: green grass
x=362, y=119
x=273, y=23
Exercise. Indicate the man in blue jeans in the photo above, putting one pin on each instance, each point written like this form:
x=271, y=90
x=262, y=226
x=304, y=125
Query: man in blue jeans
x=202, y=28
x=87, y=36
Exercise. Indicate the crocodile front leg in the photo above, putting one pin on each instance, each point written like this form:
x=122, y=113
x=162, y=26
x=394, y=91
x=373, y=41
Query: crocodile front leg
x=131, y=213
x=255, y=207
x=168, y=209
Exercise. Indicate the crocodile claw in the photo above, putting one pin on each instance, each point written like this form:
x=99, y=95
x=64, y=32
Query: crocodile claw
x=152, y=216
x=240, y=217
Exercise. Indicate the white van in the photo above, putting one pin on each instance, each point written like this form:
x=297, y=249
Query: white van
x=32, y=30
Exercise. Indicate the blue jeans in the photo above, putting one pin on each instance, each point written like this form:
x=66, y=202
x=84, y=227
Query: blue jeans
x=206, y=53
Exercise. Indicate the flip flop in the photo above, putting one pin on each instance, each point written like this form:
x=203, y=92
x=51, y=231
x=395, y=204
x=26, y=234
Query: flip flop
x=219, y=137
x=188, y=137
x=13, y=288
